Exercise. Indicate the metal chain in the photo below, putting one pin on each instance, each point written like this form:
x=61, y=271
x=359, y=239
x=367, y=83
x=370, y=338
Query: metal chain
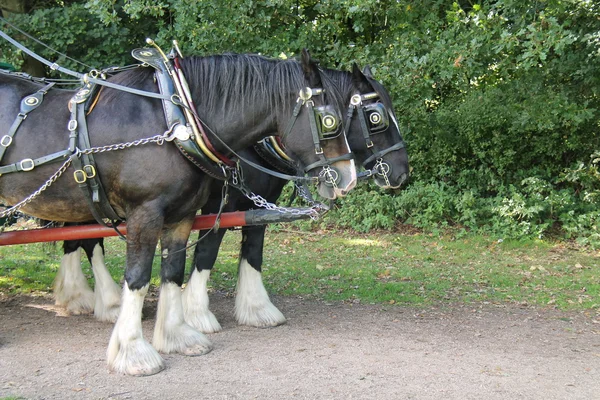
x=10, y=211
x=315, y=211
x=158, y=139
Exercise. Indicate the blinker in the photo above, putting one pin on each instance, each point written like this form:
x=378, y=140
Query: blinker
x=328, y=123
x=377, y=116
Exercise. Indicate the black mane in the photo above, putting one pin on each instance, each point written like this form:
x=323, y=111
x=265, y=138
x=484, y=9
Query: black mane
x=233, y=82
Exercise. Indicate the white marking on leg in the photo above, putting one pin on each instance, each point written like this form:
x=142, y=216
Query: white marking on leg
x=252, y=304
x=108, y=293
x=71, y=289
x=171, y=333
x=196, y=302
x=128, y=352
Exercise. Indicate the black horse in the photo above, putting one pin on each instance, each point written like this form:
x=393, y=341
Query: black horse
x=154, y=187
x=373, y=143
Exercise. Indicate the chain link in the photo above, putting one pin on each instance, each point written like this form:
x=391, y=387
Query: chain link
x=315, y=211
x=12, y=210
x=158, y=139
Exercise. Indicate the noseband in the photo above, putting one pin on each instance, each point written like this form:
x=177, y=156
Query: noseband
x=324, y=125
x=373, y=119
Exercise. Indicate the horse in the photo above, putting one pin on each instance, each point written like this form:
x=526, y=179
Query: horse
x=377, y=145
x=154, y=187
x=372, y=143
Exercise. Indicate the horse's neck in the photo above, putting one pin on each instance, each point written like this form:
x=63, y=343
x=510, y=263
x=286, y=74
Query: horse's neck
x=242, y=130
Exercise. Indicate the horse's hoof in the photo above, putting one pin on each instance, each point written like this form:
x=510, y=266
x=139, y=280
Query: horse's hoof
x=181, y=339
x=108, y=314
x=197, y=350
x=135, y=358
x=204, y=321
x=267, y=316
x=138, y=371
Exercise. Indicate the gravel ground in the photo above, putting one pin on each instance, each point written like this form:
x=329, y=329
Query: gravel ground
x=325, y=351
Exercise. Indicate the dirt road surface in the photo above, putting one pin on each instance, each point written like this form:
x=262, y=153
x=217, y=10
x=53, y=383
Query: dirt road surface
x=325, y=351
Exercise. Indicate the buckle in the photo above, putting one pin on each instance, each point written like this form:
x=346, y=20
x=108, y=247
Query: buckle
x=72, y=125
x=89, y=171
x=80, y=176
x=6, y=141
x=24, y=167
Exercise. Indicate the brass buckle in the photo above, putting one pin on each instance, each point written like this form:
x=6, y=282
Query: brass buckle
x=90, y=171
x=80, y=176
x=6, y=141
x=24, y=167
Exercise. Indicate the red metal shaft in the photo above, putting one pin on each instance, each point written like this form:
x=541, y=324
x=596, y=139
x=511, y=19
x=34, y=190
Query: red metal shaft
x=228, y=220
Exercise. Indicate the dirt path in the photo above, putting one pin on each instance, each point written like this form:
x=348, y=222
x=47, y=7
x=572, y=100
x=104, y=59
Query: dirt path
x=337, y=351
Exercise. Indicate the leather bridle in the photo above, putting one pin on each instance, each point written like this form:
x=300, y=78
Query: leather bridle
x=373, y=119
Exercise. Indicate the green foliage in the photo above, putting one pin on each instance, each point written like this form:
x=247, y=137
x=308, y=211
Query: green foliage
x=498, y=100
x=75, y=32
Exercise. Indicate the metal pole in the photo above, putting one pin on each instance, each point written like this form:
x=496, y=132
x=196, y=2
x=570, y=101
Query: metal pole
x=228, y=220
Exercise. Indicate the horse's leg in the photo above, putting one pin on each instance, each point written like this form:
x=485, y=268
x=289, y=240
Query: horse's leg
x=195, y=295
x=252, y=304
x=71, y=289
x=171, y=333
x=107, y=292
x=128, y=352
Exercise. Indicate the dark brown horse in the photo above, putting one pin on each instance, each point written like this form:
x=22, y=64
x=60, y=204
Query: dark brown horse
x=241, y=98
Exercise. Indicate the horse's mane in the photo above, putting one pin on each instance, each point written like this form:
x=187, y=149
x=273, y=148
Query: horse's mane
x=344, y=83
x=237, y=81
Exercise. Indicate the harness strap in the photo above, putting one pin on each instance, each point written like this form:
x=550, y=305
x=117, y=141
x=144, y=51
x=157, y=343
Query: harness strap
x=28, y=104
x=28, y=164
x=328, y=161
x=85, y=173
x=268, y=152
x=380, y=154
x=84, y=77
x=278, y=174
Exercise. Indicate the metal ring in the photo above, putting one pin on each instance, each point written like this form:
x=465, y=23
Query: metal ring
x=329, y=121
x=32, y=101
x=375, y=118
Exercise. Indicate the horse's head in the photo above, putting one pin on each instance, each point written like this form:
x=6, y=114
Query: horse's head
x=317, y=119
x=373, y=131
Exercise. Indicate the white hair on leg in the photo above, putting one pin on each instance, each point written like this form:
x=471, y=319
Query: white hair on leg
x=128, y=352
x=171, y=333
x=196, y=302
x=71, y=289
x=108, y=293
x=252, y=304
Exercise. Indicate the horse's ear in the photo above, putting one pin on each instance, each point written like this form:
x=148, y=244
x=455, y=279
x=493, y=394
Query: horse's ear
x=367, y=72
x=310, y=69
x=360, y=80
